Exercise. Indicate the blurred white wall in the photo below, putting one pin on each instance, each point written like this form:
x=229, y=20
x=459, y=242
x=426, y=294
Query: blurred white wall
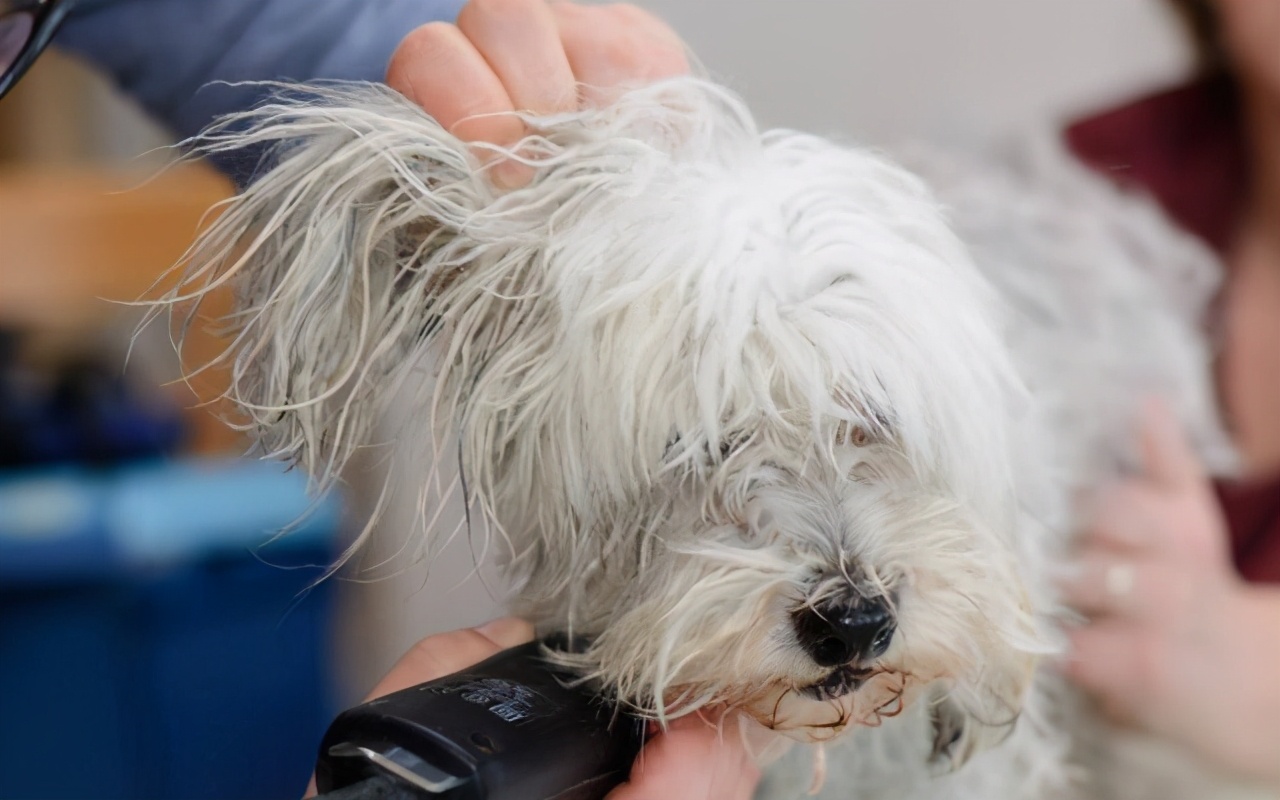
x=881, y=70
x=876, y=71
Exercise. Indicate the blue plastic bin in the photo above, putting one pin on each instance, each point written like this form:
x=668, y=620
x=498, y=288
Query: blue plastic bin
x=150, y=647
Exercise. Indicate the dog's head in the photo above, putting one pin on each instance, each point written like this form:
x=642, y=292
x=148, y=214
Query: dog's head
x=737, y=402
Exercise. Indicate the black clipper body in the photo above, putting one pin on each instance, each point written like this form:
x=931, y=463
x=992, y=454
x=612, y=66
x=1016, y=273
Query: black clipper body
x=507, y=728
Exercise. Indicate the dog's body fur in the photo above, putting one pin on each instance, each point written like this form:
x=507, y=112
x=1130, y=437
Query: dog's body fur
x=700, y=379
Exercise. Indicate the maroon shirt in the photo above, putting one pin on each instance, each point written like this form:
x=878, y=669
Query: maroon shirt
x=1186, y=149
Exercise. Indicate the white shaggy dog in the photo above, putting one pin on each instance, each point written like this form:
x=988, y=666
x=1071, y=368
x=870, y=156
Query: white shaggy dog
x=772, y=421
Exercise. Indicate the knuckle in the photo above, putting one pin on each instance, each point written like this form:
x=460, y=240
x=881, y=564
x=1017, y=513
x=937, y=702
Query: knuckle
x=427, y=648
x=424, y=45
x=488, y=9
x=431, y=646
x=433, y=33
x=635, y=18
x=662, y=50
x=425, y=654
x=599, y=31
x=431, y=36
x=566, y=10
x=438, y=649
x=508, y=630
x=426, y=42
x=620, y=52
x=629, y=12
x=581, y=22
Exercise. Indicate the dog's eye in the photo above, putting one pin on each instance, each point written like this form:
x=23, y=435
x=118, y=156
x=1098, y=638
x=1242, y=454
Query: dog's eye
x=855, y=435
x=731, y=444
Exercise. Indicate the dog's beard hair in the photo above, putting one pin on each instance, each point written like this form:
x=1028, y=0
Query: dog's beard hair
x=678, y=308
x=715, y=605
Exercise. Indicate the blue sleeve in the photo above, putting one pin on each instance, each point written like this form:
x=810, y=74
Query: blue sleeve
x=167, y=53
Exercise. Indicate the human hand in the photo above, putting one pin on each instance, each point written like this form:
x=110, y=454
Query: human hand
x=446, y=653
x=690, y=761
x=1175, y=642
x=530, y=56
x=695, y=759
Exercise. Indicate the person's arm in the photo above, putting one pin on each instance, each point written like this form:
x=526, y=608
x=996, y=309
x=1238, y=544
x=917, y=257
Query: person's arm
x=170, y=54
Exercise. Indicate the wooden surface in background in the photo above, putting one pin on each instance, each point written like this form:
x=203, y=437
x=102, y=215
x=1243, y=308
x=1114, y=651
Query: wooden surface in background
x=73, y=239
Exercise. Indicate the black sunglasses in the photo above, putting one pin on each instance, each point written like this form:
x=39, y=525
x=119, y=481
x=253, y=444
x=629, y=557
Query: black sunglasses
x=26, y=26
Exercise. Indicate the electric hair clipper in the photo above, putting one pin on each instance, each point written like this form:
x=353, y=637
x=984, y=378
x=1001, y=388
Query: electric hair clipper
x=509, y=728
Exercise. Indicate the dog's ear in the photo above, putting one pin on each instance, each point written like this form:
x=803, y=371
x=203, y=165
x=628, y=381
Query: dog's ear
x=352, y=250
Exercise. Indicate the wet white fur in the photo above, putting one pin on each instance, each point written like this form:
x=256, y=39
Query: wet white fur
x=648, y=364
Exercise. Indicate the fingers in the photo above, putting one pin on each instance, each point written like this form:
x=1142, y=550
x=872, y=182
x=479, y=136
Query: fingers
x=692, y=760
x=446, y=653
x=505, y=56
x=1108, y=660
x=611, y=48
x=1100, y=584
x=437, y=67
x=1127, y=519
x=1167, y=456
x=1166, y=515
x=520, y=41
x=1124, y=537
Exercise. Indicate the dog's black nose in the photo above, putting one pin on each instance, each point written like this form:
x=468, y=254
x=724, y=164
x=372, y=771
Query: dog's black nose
x=844, y=632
